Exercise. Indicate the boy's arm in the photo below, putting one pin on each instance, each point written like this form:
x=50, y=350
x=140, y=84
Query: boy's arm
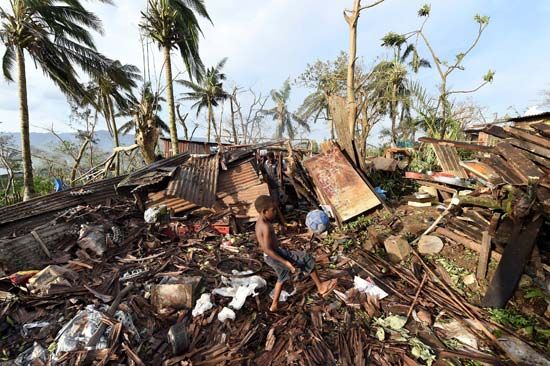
x=266, y=246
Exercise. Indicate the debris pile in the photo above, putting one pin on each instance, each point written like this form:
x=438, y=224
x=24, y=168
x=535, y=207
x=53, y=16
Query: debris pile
x=501, y=201
x=161, y=267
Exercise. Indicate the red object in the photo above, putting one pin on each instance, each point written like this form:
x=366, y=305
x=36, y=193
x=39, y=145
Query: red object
x=221, y=228
x=22, y=277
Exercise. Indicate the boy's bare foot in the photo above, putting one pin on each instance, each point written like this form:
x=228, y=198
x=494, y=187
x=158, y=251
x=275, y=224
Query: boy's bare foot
x=327, y=287
x=273, y=308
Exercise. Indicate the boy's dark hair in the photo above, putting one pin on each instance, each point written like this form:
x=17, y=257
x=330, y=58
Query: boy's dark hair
x=263, y=203
x=271, y=155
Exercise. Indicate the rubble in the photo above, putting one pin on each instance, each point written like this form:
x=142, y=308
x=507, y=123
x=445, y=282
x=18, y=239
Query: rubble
x=189, y=287
x=398, y=249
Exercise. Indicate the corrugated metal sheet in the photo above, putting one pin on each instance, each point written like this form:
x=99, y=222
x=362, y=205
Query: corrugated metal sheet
x=236, y=178
x=340, y=184
x=242, y=201
x=238, y=187
x=88, y=194
x=196, y=181
x=140, y=176
x=186, y=146
x=449, y=160
x=24, y=252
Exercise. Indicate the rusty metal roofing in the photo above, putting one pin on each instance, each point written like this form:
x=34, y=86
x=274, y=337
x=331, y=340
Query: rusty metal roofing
x=143, y=176
x=242, y=202
x=236, y=178
x=449, y=160
x=340, y=184
x=89, y=194
x=196, y=181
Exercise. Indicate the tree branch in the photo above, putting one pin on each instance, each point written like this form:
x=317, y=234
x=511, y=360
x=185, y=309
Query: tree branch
x=468, y=91
x=371, y=5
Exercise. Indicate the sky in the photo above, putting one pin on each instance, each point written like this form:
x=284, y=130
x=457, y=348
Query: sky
x=269, y=41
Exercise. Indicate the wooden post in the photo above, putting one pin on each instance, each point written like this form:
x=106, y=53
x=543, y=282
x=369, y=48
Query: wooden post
x=509, y=270
x=484, y=255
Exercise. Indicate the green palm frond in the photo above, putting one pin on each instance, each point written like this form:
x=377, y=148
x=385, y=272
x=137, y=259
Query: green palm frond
x=174, y=24
x=8, y=61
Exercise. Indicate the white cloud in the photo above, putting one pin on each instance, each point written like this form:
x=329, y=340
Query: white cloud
x=267, y=41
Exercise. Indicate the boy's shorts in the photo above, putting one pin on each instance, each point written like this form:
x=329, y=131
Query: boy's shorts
x=299, y=259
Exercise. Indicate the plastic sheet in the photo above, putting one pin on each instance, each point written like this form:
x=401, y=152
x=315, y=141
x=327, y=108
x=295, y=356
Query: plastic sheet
x=239, y=288
x=367, y=286
x=225, y=314
x=77, y=332
x=203, y=304
x=31, y=356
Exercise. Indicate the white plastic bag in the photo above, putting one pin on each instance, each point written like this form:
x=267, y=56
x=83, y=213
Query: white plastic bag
x=368, y=287
x=225, y=314
x=203, y=305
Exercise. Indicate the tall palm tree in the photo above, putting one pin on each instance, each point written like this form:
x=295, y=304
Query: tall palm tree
x=391, y=79
x=282, y=115
x=56, y=35
x=208, y=93
x=107, y=90
x=172, y=24
x=145, y=121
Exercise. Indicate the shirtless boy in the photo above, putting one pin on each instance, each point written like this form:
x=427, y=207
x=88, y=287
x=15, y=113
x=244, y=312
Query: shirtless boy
x=283, y=261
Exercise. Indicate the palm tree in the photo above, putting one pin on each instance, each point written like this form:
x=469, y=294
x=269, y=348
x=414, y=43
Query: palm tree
x=315, y=106
x=107, y=92
x=172, y=24
x=282, y=115
x=55, y=34
x=145, y=121
x=391, y=79
x=208, y=93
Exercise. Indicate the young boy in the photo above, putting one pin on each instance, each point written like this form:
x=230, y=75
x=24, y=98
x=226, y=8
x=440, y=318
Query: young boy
x=283, y=261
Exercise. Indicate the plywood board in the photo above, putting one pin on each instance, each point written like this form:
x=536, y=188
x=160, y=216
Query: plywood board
x=340, y=184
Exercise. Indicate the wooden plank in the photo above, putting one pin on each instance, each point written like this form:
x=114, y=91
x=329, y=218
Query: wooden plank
x=534, y=148
x=542, y=128
x=529, y=137
x=462, y=145
x=439, y=187
x=484, y=256
x=470, y=244
x=502, y=168
x=519, y=162
x=465, y=229
x=343, y=187
x=448, y=160
x=483, y=171
x=497, y=131
x=509, y=270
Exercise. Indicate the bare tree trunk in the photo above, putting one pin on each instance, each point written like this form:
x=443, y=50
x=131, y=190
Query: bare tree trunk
x=350, y=101
x=28, y=183
x=77, y=160
x=170, y=101
x=146, y=138
x=116, y=142
x=9, y=184
x=91, y=142
x=182, y=122
x=210, y=116
x=235, y=139
x=393, y=113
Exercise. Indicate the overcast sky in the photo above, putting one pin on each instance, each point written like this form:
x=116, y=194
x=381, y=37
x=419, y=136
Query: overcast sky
x=270, y=40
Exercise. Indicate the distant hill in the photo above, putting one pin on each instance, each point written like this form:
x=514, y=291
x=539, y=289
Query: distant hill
x=46, y=141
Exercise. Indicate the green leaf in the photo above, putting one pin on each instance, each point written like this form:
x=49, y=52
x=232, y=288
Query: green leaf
x=424, y=11
x=489, y=76
x=481, y=19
